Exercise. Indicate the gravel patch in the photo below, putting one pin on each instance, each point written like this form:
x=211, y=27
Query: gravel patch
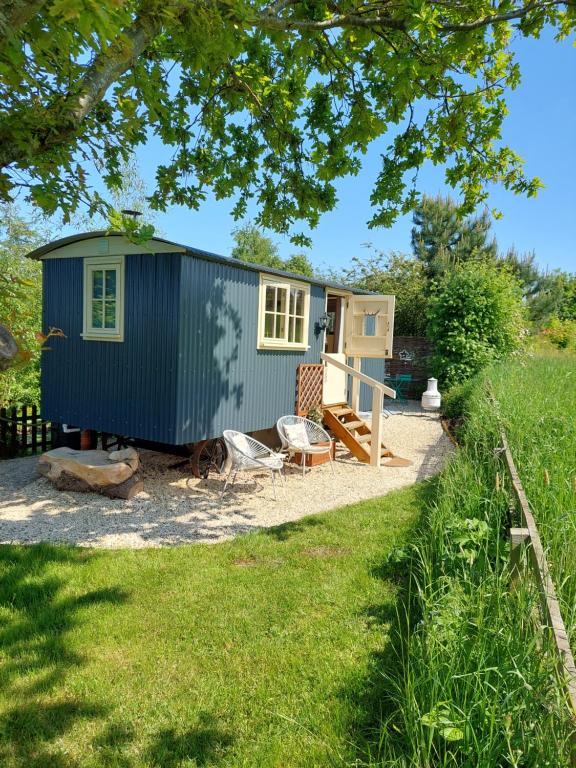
x=16, y=473
x=176, y=508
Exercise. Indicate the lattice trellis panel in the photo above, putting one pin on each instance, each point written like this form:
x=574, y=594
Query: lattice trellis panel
x=309, y=383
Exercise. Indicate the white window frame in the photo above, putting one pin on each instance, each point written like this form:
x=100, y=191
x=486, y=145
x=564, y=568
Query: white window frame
x=279, y=282
x=91, y=265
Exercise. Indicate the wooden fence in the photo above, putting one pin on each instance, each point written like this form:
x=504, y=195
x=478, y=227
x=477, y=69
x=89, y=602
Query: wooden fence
x=526, y=547
x=23, y=432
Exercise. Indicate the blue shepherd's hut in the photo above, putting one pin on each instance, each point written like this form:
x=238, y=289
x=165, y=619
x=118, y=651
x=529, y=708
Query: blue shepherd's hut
x=172, y=344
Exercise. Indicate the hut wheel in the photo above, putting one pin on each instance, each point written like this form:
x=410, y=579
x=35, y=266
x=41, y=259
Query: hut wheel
x=208, y=455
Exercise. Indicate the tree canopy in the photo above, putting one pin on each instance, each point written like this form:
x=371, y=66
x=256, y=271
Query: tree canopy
x=442, y=238
x=253, y=246
x=20, y=304
x=264, y=100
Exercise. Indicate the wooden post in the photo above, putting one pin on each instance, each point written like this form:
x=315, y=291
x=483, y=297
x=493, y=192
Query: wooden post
x=376, y=427
x=34, y=429
x=356, y=363
x=3, y=432
x=88, y=438
x=24, y=435
x=14, y=431
x=519, y=537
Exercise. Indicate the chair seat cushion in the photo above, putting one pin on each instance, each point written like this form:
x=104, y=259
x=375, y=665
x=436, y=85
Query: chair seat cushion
x=297, y=436
x=273, y=462
x=240, y=441
x=317, y=449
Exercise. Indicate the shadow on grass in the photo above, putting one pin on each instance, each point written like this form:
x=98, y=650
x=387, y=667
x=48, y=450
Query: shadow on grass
x=374, y=703
x=38, y=613
x=200, y=744
x=286, y=530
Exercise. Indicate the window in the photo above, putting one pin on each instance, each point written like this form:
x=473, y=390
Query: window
x=283, y=317
x=104, y=298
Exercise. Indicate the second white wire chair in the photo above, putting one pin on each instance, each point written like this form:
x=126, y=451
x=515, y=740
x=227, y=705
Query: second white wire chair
x=300, y=435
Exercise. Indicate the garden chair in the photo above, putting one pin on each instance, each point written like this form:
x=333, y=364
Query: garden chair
x=300, y=435
x=401, y=384
x=248, y=455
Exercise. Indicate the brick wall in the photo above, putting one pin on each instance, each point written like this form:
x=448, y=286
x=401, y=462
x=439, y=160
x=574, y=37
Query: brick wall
x=410, y=356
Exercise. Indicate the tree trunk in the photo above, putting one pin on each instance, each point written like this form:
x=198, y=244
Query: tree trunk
x=8, y=348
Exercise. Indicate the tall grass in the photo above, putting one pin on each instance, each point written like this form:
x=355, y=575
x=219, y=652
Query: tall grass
x=537, y=399
x=475, y=684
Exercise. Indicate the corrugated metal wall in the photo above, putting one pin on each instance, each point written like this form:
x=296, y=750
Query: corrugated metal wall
x=224, y=381
x=127, y=388
x=374, y=368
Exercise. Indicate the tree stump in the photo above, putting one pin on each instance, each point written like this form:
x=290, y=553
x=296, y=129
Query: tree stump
x=111, y=474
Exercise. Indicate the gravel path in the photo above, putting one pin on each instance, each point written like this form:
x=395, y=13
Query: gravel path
x=176, y=508
x=16, y=473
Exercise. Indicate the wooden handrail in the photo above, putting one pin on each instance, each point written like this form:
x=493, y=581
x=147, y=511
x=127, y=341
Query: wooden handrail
x=358, y=375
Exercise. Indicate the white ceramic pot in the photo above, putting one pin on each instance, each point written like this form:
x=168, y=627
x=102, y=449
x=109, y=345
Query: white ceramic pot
x=431, y=399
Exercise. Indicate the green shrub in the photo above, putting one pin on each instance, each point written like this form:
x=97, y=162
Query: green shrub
x=455, y=401
x=562, y=333
x=475, y=316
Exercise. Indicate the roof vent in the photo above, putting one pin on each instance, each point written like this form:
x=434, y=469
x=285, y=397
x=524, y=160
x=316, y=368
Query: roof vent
x=128, y=212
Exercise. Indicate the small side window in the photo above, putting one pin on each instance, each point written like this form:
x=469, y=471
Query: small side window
x=104, y=299
x=283, y=314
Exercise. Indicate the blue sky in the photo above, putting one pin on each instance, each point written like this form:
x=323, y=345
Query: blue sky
x=541, y=127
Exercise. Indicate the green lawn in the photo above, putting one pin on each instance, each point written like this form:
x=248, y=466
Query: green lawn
x=264, y=651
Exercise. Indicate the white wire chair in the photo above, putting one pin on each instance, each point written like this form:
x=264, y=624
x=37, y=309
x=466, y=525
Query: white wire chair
x=315, y=434
x=249, y=455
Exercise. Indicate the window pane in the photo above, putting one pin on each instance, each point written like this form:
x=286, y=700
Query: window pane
x=110, y=283
x=96, y=314
x=299, y=330
x=269, y=326
x=281, y=300
x=270, y=298
x=369, y=325
x=280, y=327
x=291, y=329
x=97, y=280
x=299, y=303
x=110, y=314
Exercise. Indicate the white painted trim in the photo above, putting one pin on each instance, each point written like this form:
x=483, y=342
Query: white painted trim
x=337, y=292
x=117, y=246
x=341, y=295
x=103, y=334
x=265, y=343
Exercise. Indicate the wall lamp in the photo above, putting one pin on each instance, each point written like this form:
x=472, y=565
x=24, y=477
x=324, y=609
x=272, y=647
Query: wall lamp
x=323, y=321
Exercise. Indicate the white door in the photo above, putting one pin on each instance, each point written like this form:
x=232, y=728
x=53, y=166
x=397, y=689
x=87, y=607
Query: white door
x=369, y=326
x=335, y=388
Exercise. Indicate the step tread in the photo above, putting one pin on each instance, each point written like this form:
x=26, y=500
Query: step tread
x=364, y=438
x=340, y=411
x=353, y=424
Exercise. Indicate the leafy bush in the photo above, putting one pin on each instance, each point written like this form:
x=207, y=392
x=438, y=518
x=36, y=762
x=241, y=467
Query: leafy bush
x=455, y=401
x=562, y=333
x=20, y=306
x=475, y=316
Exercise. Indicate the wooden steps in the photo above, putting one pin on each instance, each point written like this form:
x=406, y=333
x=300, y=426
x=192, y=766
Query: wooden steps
x=352, y=431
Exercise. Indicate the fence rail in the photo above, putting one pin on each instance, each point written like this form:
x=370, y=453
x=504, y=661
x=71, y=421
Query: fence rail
x=528, y=539
x=23, y=432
